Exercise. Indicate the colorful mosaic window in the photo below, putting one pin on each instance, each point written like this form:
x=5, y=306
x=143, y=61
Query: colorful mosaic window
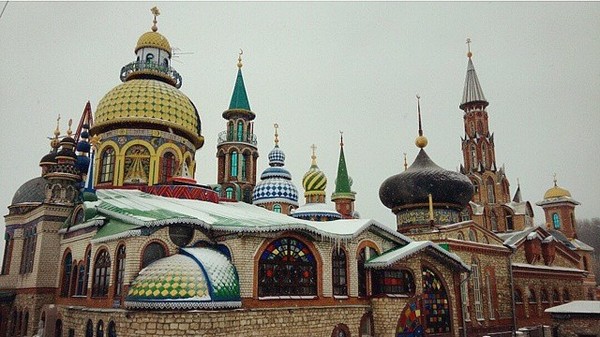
x=153, y=252
x=67, y=265
x=137, y=165
x=410, y=322
x=107, y=165
x=101, y=274
x=436, y=307
x=120, y=270
x=287, y=268
x=339, y=272
x=390, y=281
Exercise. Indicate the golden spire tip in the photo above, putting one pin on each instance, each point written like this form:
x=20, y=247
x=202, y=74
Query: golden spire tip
x=156, y=13
x=469, y=54
x=421, y=140
x=239, y=64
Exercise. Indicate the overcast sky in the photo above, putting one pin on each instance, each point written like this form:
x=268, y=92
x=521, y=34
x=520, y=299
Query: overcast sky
x=320, y=67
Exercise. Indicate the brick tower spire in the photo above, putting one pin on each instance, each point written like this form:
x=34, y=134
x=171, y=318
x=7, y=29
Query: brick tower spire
x=343, y=197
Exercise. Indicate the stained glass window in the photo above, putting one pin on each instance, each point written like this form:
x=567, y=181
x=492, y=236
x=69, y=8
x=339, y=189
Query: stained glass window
x=107, y=165
x=339, y=272
x=410, y=323
x=287, y=268
x=532, y=297
x=389, y=281
x=28, y=253
x=243, y=166
x=436, y=307
x=477, y=299
x=67, y=265
x=101, y=274
x=229, y=193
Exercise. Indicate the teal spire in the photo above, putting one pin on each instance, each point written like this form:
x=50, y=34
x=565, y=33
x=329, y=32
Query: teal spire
x=239, y=99
x=343, y=182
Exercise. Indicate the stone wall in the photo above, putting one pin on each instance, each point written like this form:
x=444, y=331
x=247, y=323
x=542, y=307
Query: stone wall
x=577, y=325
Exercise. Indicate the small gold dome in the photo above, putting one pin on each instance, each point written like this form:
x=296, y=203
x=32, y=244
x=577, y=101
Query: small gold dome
x=153, y=39
x=421, y=142
x=149, y=101
x=556, y=192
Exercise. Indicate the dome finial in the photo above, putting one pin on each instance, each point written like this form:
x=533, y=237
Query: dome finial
x=156, y=13
x=313, y=156
x=405, y=163
x=469, y=54
x=69, y=131
x=239, y=64
x=276, y=126
x=54, y=142
x=555, y=179
x=421, y=140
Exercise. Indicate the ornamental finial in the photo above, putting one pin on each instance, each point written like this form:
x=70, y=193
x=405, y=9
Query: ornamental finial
x=341, y=138
x=69, y=131
x=405, y=163
x=156, y=13
x=314, y=156
x=94, y=141
x=54, y=142
x=239, y=64
x=555, y=179
x=469, y=54
x=421, y=140
x=276, y=126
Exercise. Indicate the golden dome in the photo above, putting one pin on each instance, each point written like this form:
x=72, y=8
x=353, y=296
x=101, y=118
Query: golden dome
x=155, y=40
x=149, y=101
x=556, y=192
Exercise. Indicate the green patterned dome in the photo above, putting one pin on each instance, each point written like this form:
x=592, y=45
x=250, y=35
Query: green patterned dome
x=196, y=278
x=314, y=181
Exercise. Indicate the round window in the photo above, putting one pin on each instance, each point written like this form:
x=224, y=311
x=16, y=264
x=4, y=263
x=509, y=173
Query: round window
x=181, y=235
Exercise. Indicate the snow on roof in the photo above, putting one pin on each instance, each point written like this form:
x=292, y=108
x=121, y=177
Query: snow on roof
x=142, y=209
x=576, y=307
x=317, y=208
x=582, y=245
x=391, y=257
x=542, y=267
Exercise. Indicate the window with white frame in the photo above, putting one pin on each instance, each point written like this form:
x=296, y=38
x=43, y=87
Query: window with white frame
x=477, y=290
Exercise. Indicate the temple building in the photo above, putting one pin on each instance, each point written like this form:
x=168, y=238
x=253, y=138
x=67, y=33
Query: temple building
x=115, y=237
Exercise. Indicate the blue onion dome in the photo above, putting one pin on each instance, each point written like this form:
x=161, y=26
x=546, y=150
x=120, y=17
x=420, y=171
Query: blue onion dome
x=82, y=163
x=83, y=146
x=314, y=180
x=276, y=157
x=196, y=278
x=422, y=178
x=32, y=191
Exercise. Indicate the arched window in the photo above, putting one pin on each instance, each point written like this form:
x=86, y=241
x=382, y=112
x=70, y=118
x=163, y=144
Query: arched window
x=25, y=322
x=137, y=165
x=490, y=191
x=473, y=156
x=234, y=164
x=366, y=326
x=101, y=274
x=566, y=296
x=518, y=296
x=107, y=165
x=58, y=328
x=472, y=235
x=119, y=270
x=243, y=166
x=100, y=329
x=483, y=155
x=8, y=246
x=112, y=329
x=494, y=220
x=339, y=272
x=277, y=208
x=89, y=329
x=556, y=220
x=460, y=236
x=435, y=297
x=181, y=235
x=229, y=192
x=475, y=186
x=230, y=131
x=240, y=131
x=167, y=167
x=28, y=252
x=490, y=296
x=287, y=267
x=365, y=254
x=73, y=281
x=67, y=267
x=153, y=252
x=340, y=330
x=149, y=57
x=464, y=295
x=166, y=62
x=532, y=296
x=393, y=282
x=555, y=296
x=476, y=279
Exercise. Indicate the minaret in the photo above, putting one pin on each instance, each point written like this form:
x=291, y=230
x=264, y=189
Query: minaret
x=236, y=146
x=343, y=197
x=491, y=184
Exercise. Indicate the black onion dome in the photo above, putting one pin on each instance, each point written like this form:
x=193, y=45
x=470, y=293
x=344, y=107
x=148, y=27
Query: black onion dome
x=50, y=158
x=33, y=190
x=423, y=177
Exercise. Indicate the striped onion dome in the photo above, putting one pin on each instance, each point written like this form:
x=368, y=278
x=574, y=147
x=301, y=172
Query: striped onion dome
x=276, y=182
x=196, y=278
x=314, y=181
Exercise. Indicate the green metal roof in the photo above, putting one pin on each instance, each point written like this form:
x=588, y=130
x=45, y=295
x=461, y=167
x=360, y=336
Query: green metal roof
x=239, y=99
x=342, y=181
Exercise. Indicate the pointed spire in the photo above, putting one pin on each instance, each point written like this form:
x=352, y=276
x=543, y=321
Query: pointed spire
x=343, y=183
x=421, y=140
x=239, y=98
x=518, y=197
x=472, y=92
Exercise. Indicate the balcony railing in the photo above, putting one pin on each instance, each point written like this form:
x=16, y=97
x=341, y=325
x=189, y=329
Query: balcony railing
x=225, y=137
x=152, y=67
